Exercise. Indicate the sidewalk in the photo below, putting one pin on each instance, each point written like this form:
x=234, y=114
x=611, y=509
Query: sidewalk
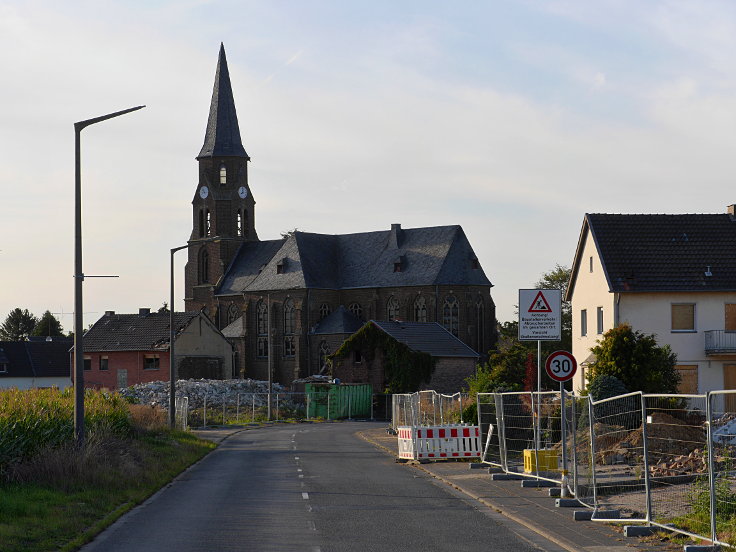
x=530, y=507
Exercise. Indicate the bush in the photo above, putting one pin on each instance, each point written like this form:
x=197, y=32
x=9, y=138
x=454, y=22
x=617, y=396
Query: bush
x=604, y=386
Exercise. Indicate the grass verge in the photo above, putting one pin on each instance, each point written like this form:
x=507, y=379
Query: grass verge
x=61, y=498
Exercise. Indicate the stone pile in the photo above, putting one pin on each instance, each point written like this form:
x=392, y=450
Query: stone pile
x=217, y=392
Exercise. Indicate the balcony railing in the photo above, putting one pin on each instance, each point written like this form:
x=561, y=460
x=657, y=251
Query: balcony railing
x=718, y=342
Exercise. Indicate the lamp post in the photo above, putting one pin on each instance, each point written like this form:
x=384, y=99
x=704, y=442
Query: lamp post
x=172, y=365
x=79, y=275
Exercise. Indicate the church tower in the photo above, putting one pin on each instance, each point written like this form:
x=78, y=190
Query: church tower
x=223, y=204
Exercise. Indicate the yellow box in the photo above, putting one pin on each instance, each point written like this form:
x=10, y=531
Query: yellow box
x=548, y=460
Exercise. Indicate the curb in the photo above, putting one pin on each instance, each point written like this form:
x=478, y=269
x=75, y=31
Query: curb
x=559, y=541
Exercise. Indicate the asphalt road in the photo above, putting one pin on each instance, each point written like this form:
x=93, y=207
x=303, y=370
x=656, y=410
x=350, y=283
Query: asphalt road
x=312, y=487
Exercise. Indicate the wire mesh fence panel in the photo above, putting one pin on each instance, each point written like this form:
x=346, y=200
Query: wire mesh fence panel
x=723, y=446
x=450, y=408
x=181, y=413
x=580, y=451
x=489, y=428
x=428, y=408
x=403, y=408
x=618, y=457
x=676, y=451
x=517, y=428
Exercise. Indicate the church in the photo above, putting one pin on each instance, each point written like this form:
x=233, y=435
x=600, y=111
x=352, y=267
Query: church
x=287, y=304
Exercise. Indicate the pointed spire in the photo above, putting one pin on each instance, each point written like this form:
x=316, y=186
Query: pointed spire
x=223, y=134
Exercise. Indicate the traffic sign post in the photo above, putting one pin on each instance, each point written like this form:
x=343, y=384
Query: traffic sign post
x=540, y=319
x=561, y=366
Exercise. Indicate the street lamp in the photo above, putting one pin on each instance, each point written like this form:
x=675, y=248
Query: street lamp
x=172, y=369
x=79, y=275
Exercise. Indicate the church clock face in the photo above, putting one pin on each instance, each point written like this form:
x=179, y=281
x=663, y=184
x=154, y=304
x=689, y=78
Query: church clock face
x=243, y=192
x=204, y=192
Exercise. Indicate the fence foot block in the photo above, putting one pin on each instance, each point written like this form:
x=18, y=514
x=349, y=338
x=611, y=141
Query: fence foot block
x=568, y=503
x=582, y=515
x=478, y=466
x=505, y=477
x=700, y=548
x=603, y=515
x=638, y=530
x=555, y=491
x=534, y=483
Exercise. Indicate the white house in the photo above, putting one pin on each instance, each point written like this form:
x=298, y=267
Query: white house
x=669, y=275
x=38, y=362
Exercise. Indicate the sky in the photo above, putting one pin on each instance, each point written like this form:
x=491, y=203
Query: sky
x=510, y=118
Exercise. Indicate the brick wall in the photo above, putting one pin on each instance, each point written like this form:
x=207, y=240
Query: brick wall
x=450, y=374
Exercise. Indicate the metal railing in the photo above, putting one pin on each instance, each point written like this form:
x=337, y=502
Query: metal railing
x=719, y=341
x=667, y=461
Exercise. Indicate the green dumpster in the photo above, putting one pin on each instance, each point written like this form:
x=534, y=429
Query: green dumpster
x=333, y=401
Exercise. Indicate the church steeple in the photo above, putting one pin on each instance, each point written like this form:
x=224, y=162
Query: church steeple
x=222, y=138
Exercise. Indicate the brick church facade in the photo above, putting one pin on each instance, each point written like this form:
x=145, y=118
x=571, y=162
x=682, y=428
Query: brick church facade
x=288, y=303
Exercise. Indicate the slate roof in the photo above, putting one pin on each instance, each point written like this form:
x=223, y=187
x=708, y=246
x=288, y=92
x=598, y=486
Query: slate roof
x=643, y=253
x=426, y=337
x=134, y=332
x=36, y=358
x=235, y=328
x=341, y=321
x=222, y=137
x=437, y=255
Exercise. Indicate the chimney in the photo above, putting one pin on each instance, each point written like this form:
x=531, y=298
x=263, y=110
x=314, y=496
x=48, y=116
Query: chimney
x=109, y=313
x=394, y=238
x=144, y=312
x=731, y=210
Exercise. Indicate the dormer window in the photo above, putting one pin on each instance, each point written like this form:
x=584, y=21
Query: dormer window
x=399, y=264
x=280, y=266
x=223, y=175
x=474, y=264
x=3, y=368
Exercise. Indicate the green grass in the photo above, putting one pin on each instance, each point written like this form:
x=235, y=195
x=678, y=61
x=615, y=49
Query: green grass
x=48, y=507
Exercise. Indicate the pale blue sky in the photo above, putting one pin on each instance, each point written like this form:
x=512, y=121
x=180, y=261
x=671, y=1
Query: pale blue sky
x=512, y=119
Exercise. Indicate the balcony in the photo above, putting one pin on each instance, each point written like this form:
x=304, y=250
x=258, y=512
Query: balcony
x=720, y=342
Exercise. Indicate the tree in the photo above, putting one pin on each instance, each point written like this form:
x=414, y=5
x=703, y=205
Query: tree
x=48, y=325
x=163, y=308
x=635, y=358
x=18, y=325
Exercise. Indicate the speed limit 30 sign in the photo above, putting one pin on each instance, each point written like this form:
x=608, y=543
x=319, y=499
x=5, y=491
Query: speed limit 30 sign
x=561, y=366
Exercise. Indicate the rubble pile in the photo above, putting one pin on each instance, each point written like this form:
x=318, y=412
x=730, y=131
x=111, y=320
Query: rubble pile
x=695, y=462
x=217, y=392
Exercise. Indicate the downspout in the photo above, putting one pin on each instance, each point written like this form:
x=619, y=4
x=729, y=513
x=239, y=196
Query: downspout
x=616, y=308
x=306, y=334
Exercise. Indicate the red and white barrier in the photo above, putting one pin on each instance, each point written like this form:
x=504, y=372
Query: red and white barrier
x=450, y=441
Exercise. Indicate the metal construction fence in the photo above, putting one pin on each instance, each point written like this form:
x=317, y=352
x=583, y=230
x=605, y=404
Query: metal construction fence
x=427, y=408
x=667, y=461
x=253, y=407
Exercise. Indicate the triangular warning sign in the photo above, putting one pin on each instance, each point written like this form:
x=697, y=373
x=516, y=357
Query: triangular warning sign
x=540, y=304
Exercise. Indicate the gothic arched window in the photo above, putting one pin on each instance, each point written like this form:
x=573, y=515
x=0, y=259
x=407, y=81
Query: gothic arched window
x=201, y=228
x=239, y=223
x=207, y=222
x=324, y=311
x=392, y=308
x=262, y=329
x=289, y=328
x=232, y=313
x=324, y=351
x=420, y=309
x=451, y=315
x=223, y=174
x=356, y=309
x=204, y=266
